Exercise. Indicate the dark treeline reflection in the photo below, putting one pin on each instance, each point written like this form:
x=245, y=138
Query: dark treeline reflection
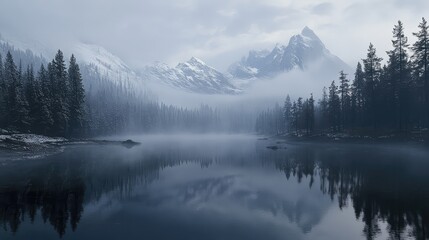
x=384, y=185
x=60, y=185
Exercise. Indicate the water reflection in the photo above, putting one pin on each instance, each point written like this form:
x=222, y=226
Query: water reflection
x=385, y=184
x=219, y=188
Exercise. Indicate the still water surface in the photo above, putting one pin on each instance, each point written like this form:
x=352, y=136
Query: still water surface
x=218, y=187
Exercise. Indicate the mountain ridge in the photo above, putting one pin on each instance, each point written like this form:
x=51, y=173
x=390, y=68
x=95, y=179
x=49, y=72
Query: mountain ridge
x=301, y=52
x=195, y=76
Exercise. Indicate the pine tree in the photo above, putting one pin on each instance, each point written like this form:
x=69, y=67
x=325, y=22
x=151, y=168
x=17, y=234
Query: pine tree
x=30, y=94
x=306, y=116
x=17, y=106
x=344, y=98
x=372, y=70
x=420, y=60
x=400, y=74
x=311, y=115
x=334, y=107
x=76, y=97
x=287, y=107
x=392, y=97
x=60, y=107
x=358, y=94
x=44, y=117
x=324, y=109
x=3, y=96
x=300, y=111
x=44, y=82
x=294, y=116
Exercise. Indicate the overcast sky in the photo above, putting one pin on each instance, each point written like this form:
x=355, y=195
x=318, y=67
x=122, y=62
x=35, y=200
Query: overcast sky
x=217, y=31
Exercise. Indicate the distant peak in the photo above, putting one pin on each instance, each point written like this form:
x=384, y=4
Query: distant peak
x=307, y=32
x=306, y=29
x=160, y=64
x=196, y=60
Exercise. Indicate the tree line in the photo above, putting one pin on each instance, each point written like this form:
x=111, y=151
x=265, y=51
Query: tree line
x=50, y=102
x=79, y=101
x=393, y=97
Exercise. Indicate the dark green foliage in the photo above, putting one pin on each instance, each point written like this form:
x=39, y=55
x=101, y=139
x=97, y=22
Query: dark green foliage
x=400, y=78
x=371, y=74
x=293, y=117
x=76, y=99
x=287, y=108
x=17, y=108
x=345, y=99
x=3, y=97
x=334, y=108
x=58, y=105
x=60, y=91
x=420, y=65
x=40, y=104
x=381, y=99
x=323, y=110
x=358, y=97
x=43, y=118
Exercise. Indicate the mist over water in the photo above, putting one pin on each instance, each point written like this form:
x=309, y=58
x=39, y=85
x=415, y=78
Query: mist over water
x=217, y=187
x=214, y=120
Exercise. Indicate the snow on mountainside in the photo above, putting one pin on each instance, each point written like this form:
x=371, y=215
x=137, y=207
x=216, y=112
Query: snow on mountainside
x=95, y=59
x=302, y=51
x=20, y=54
x=191, y=76
x=105, y=63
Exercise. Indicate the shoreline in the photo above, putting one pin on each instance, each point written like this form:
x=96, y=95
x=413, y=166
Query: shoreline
x=357, y=139
x=27, y=143
x=23, y=142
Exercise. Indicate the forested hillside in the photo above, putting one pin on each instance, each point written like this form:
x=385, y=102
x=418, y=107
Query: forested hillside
x=60, y=98
x=379, y=99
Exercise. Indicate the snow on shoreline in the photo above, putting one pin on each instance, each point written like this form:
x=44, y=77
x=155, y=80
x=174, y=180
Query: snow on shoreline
x=32, y=138
x=28, y=139
x=19, y=146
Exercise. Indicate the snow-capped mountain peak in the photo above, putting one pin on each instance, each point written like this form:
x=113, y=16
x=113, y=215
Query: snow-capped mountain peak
x=196, y=61
x=192, y=76
x=307, y=39
x=98, y=60
x=302, y=51
x=104, y=60
x=307, y=32
x=194, y=64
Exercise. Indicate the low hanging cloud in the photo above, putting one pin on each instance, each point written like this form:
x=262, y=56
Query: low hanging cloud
x=220, y=32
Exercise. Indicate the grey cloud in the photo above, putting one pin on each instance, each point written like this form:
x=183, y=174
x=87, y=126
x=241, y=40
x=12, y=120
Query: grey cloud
x=143, y=31
x=323, y=8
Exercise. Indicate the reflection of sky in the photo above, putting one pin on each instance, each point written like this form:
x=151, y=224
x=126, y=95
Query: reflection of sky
x=219, y=201
x=215, y=188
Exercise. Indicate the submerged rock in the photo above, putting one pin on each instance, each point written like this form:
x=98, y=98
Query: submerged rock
x=130, y=143
x=273, y=147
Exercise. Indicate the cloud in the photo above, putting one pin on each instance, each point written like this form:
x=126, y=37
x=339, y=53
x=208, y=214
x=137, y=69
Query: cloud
x=220, y=32
x=323, y=8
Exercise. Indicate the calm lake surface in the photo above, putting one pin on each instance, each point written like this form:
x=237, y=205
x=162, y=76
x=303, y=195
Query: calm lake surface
x=217, y=187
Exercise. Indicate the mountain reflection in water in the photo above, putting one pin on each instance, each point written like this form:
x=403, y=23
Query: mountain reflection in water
x=228, y=187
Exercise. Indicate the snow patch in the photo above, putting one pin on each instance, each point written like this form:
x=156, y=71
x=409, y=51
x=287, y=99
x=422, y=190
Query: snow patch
x=31, y=138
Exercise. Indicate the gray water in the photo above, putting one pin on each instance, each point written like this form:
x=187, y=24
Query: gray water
x=217, y=187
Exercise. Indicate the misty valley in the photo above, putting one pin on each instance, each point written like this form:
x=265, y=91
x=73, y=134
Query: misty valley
x=234, y=119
